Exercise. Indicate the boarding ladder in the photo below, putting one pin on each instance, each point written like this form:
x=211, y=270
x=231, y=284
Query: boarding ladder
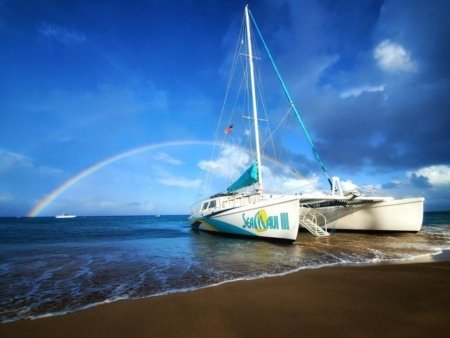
x=309, y=218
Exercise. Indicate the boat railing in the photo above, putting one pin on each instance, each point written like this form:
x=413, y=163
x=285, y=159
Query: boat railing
x=196, y=207
x=314, y=216
x=224, y=202
x=239, y=201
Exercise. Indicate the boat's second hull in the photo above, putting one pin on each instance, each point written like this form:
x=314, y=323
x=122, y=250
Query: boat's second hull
x=403, y=215
x=275, y=219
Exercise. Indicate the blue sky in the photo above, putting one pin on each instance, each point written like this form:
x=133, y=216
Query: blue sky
x=84, y=81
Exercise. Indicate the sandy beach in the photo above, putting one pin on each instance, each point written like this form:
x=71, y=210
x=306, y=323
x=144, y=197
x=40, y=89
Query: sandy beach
x=398, y=300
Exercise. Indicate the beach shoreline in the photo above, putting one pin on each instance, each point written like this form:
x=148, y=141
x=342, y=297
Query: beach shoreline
x=405, y=298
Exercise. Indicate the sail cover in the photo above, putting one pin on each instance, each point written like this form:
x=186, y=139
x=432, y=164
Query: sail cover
x=249, y=177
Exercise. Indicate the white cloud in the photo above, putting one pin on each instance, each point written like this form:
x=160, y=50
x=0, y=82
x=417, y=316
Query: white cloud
x=4, y=197
x=15, y=161
x=107, y=204
x=230, y=163
x=392, y=56
x=360, y=90
x=168, y=159
x=148, y=206
x=61, y=34
x=437, y=175
x=11, y=160
x=348, y=185
x=100, y=206
x=306, y=185
x=180, y=182
x=139, y=206
x=367, y=189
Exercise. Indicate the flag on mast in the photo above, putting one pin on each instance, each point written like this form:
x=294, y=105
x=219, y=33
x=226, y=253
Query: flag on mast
x=228, y=130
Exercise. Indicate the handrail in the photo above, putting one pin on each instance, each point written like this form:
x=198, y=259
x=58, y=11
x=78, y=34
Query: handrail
x=312, y=214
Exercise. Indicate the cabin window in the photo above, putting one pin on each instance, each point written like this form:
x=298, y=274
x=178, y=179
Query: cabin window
x=212, y=204
x=205, y=205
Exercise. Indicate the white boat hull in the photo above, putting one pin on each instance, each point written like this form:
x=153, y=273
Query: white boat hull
x=273, y=218
x=65, y=216
x=402, y=215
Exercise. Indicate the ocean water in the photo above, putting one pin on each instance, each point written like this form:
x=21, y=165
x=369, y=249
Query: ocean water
x=53, y=266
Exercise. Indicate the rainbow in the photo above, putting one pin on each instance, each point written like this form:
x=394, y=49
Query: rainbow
x=42, y=204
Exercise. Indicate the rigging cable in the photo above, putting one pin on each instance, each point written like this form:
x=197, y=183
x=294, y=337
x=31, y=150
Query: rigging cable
x=207, y=178
x=297, y=114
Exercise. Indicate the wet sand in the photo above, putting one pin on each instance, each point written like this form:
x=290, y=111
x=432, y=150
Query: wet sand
x=398, y=300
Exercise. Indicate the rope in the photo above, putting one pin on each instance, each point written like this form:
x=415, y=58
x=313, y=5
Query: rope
x=297, y=114
x=208, y=176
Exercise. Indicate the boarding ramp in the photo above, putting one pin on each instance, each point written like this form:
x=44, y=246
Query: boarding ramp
x=309, y=218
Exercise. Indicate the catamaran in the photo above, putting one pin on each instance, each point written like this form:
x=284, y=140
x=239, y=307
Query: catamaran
x=257, y=213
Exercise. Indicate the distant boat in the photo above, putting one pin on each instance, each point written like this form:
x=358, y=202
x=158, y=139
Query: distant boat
x=65, y=216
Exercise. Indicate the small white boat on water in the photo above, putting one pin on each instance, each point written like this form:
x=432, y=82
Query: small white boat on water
x=280, y=216
x=65, y=216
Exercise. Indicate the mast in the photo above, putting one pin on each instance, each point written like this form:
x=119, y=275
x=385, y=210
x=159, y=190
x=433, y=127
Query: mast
x=254, y=105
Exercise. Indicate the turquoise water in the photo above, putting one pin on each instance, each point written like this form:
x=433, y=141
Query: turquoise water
x=52, y=266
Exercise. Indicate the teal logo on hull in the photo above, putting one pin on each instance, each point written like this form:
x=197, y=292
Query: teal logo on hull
x=262, y=222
